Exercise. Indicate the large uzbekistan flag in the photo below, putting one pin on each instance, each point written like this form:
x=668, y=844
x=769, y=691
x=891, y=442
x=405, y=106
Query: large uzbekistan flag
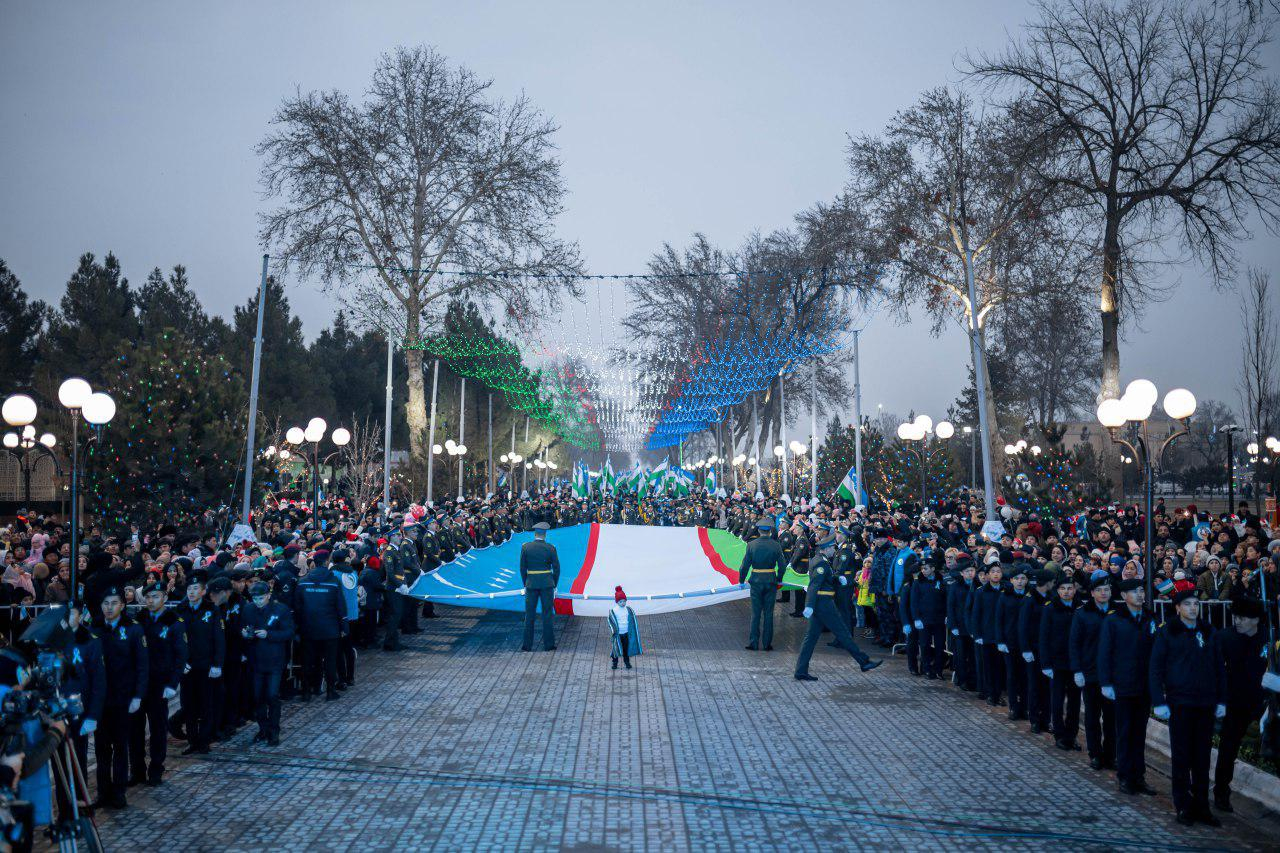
x=660, y=568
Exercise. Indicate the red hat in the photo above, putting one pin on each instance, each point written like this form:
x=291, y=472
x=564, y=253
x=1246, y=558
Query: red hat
x=618, y=594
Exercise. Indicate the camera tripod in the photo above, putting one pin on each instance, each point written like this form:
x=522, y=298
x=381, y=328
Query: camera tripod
x=73, y=829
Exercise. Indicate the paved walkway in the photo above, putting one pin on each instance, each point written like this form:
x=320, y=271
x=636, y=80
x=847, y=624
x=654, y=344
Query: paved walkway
x=464, y=742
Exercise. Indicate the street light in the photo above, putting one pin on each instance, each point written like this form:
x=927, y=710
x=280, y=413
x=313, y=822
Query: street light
x=918, y=430
x=1230, y=431
x=19, y=411
x=1134, y=408
x=314, y=434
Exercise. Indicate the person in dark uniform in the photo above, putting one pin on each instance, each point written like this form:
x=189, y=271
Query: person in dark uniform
x=1189, y=689
x=227, y=686
x=822, y=613
x=1008, y=608
x=911, y=638
x=268, y=627
x=800, y=556
x=847, y=564
x=1099, y=715
x=204, y=630
x=787, y=540
x=763, y=565
x=86, y=676
x=167, y=658
x=540, y=573
x=124, y=654
x=975, y=629
x=1054, y=656
x=928, y=616
x=1244, y=654
x=988, y=597
x=958, y=593
x=1124, y=661
x=1033, y=607
x=400, y=559
x=321, y=615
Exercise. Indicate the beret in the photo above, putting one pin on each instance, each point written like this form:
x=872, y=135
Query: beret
x=258, y=588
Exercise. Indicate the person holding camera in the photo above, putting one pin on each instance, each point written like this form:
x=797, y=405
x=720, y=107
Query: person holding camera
x=31, y=739
x=166, y=658
x=124, y=651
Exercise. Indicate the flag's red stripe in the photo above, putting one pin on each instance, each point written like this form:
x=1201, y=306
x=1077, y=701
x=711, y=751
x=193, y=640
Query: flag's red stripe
x=565, y=606
x=714, y=558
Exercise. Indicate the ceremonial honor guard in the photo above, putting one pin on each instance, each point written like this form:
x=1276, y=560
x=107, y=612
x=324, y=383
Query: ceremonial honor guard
x=1099, y=719
x=167, y=657
x=1124, y=661
x=822, y=613
x=1244, y=654
x=540, y=573
x=762, y=568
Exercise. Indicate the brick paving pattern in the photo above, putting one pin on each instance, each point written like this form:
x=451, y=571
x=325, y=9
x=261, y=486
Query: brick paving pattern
x=464, y=742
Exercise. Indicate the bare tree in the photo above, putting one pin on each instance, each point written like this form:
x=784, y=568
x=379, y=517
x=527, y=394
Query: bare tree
x=1259, y=382
x=949, y=194
x=1168, y=124
x=382, y=198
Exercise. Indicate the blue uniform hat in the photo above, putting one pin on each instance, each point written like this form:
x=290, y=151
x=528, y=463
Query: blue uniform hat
x=764, y=524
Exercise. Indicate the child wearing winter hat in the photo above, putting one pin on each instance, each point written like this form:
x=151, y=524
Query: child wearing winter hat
x=625, y=630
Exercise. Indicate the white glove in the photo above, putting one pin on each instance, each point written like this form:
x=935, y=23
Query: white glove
x=977, y=640
x=1047, y=673
x=169, y=693
x=1028, y=657
x=1109, y=692
x=186, y=669
x=1271, y=681
x=215, y=672
x=808, y=613
x=1001, y=647
x=906, y=630
x=1079, y=679
x=919, y=625
x=402, y=589
x=955, y=632
x=88, y=727
x=1161, y=712
x=1220, y=712
x=844, y=581
x=134, y=704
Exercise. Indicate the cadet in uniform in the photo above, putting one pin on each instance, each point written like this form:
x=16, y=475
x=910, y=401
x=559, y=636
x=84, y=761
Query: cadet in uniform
x=204, y=630
x=540, y=573
x=167, y=657
x=1244, y=654
x=984, y=618
x=822, y=613
x=762, y=567
x=1099, y=719
x=124, y=653
x=1054, y=657
x=1033, y=606
x=268, y=627
x=1008, y=608
x=1188, y=688
x=400, y=560
x=958, y=595
x=847, y=565
x=1124, y=661
x=928, y=616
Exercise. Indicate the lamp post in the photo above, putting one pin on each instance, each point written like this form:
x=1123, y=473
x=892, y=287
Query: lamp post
x=1230, y=430
x=973, y=457
x=1134, y=408
x=798, y=450
x=453, y=448
x=919, y=430
x=16, y=415
x=313, y=434
x=511, y=460
x=781, y=452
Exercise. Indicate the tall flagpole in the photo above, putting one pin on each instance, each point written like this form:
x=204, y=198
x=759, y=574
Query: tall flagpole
x=857, y=424
x=813, y=432
x=462, y=430
x=755, y=437
x=253, y=397
x=491, y=485
x=386, y=441
x=782, y=426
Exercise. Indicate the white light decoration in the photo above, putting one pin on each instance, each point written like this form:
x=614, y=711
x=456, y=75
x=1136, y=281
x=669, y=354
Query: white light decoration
x=779, y=450
x=1009, y=449
x=450, y=444
x=515, y=457
x=317, y=424
x=1035, y=450
x=1111, y=413
x=436, y=449
x=904, y=432
x=800, y=449
x=285, y=454
x=28, y=433
x=553, y=466
x=295, y=435
x=1251, y=448
x=944, y=429
x=1136, y=407
x=341, y=436
x=11, y=440
x=1021, y=444
x=1142, y=392
x=74, y=393
x=99, y=408
x=462, y=450
x=48, y=439
x=18, y=410
x=751, y=461
x=503, y=459
x=1179, y=404
x=1273, y=444
x=967, y=430
x=924, y=423
x=312, y=433
x=538, y=463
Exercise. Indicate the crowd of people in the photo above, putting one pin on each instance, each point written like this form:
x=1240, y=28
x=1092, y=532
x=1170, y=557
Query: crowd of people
x=1049, y=619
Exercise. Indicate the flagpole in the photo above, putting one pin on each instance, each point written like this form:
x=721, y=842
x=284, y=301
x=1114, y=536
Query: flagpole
x=431, y=456
x=857, y=423
x=813, y=432
x=782, y=427
x=755, y=437
x=492, y=487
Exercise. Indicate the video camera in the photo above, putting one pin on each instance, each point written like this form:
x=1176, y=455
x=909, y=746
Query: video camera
x=42, y=651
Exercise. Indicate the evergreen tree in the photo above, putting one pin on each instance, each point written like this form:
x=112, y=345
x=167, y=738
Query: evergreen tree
x=21, y=322
x=171, y=304
x=96, y=315
x=290, y=387
x=174, y=445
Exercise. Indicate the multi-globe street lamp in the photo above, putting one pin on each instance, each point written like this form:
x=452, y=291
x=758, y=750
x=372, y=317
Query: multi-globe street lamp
x=1134, y=409
x=453, y=448
x=918, y=430
x=25, y=440
x=314, y=434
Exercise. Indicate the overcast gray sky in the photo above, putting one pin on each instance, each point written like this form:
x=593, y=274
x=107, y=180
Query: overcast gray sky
x=130, y=127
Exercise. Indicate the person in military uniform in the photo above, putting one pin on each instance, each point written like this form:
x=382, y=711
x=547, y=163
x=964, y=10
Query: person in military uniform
x=167, y=658
x=540, y=573
x=124, y=654
x=1189, y=690
x=1033, y=606
x=928, y=603
x=1244, y=654
x=1124, y=660
x=961, y=587
x=1054, y=657
x=400, y=560
x=822, y=613
x=227, y=713
x=205, y=632
x=847, y=564
x=87, y=676
x=268, y=627
x=800, y=555
x=762, y=567
x=1008, y=608
x=787, y=539
x=1099, y=717
x=984, y=611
